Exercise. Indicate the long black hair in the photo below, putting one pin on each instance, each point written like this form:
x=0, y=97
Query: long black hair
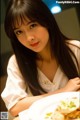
x=36, y=10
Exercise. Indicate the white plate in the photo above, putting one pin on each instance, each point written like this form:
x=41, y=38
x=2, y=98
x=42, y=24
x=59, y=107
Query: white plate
x=48, y=104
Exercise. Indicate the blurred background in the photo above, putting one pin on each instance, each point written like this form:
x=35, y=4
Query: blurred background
x=67, y=16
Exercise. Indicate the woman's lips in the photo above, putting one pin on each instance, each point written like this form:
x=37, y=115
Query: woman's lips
x=34, y=44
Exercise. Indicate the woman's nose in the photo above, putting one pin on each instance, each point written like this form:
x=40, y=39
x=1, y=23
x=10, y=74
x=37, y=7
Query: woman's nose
x=30, y=37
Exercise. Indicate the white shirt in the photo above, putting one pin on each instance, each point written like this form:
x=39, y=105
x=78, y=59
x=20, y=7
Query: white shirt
x=15, y=88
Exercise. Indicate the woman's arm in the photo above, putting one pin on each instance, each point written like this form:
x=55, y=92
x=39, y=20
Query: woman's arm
x=25, y=103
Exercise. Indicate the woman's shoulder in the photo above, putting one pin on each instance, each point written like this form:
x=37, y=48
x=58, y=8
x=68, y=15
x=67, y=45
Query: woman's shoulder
x=12, y=57
x=74, y=43
x=12, y=61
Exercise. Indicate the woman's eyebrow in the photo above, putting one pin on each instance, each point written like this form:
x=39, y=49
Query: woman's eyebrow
x=15, y=29
x=30, y=22
x=25, y=24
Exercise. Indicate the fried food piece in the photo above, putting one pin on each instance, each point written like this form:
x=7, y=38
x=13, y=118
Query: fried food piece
x=75, y=115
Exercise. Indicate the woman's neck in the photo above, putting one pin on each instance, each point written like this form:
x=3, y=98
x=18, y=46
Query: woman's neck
x=46, y=55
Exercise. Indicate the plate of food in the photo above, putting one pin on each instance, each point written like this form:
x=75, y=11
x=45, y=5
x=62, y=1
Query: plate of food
x=61, y=106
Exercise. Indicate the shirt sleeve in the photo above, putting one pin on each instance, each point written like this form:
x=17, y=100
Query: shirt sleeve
x=15, y=88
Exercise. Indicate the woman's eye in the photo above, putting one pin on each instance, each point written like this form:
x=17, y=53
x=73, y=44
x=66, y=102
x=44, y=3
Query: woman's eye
x=18, y=32
x=33, y=25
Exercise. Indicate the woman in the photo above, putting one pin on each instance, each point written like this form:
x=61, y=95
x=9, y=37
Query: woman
x=45, y=62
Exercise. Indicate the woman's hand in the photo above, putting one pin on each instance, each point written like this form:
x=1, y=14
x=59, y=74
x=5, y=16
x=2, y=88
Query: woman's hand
x=73, y=85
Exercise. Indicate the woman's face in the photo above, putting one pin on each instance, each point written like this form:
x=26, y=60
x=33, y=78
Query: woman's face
x=32, y=35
